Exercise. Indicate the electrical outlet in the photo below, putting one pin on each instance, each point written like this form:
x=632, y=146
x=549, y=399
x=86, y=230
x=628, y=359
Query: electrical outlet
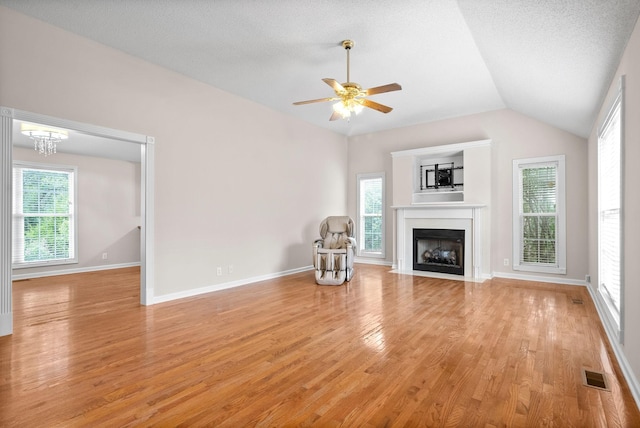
x=105, y=256
x=230, y=269
x=506, y=262
x=219, y=271
x=587, y=279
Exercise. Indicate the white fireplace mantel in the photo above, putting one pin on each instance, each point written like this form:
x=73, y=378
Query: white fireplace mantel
x=452, y=215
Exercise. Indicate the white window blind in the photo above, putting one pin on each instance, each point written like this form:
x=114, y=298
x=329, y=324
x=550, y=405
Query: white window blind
x=539, y=241
x=538, y=214
x=371, y=214
x=43, y=215
x=609, y=210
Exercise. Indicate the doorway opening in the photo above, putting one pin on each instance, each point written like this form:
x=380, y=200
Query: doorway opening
x=109, y=140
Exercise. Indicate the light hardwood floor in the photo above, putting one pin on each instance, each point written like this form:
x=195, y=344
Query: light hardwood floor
x=382, y=350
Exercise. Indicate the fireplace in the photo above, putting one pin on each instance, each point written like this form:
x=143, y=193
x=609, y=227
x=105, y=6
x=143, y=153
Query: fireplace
x=439, y=250
x=450, y=216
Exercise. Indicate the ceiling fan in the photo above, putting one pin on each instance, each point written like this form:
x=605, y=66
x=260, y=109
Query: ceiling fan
x=351, y=96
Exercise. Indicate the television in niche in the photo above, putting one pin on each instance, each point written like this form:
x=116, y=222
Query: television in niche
x=444, y=177
x=439, y=176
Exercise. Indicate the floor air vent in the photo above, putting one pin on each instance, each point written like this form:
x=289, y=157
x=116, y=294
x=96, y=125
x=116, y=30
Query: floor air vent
x=577, y=300
x=594, y=379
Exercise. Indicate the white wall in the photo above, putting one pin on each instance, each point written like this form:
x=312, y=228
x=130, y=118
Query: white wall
x=236, y=183
x=629, y=66
x=514, y=136
x=108, y=210
x=240, y=193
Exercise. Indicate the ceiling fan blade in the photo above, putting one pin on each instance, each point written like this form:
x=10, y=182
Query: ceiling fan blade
x=376, y=106
x=384, y=88
x=334, y=84
x=319, y=100
x=335, y=116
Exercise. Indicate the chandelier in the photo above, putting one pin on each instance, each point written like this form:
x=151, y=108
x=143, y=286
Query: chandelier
x=44, y=139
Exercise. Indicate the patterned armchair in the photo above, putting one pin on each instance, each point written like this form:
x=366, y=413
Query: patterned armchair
x=334, y=252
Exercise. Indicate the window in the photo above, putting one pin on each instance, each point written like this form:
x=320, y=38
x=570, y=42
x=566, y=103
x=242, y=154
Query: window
x=610, y=211
x=43, y=215
x=539, y=239
x=371, y=215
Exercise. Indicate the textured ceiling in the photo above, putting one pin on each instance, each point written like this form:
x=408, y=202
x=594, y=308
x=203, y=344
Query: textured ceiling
x=549, y=59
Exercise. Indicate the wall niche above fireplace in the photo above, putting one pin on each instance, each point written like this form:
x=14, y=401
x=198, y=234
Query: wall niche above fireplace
x=439, y=178
x=451, y=173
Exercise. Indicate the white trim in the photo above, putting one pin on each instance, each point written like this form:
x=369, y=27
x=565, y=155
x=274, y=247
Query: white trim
x=7, y=115
x=534, y=278
x=617, y=104
x=226, y=285
x=359, y=229
x=86, y=128
x=147, y=236
x=619, y=99
x=623, y=205
x=6, y=220
x=371, y=261
x=454, y=148
x=561, y=235
x=611, y=332
x=438, y=275
x=6, y=324
x=453, y=205
x=69, y=169
x=43, y=274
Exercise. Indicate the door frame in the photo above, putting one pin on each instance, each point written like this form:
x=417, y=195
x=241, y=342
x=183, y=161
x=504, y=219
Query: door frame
x=147, y=150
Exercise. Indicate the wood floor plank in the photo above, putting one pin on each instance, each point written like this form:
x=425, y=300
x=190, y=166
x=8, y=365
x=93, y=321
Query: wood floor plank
x=383, y=350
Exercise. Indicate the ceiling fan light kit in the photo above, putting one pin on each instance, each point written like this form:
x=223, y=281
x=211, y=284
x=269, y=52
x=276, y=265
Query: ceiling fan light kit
x=350, y=96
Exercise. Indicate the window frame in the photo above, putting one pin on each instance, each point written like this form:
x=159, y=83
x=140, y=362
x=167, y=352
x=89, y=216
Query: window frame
x=560, y=267
x=359, y=222
x=614, y=316
x=18, y=212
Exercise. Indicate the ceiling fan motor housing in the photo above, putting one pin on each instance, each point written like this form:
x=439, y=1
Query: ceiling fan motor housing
x=351, y=90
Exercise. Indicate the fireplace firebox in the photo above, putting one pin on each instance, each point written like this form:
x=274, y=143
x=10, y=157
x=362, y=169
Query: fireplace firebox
x=438, y=250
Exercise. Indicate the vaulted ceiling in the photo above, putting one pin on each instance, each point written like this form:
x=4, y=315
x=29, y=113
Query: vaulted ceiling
x=552, y=60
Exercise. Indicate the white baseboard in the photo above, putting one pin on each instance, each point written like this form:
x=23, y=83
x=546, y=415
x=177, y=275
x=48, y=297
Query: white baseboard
x=438, y=275
x=372, y=261
x=554, y=280
x=610, y=330
x=226, y=285
x=6, y=324
x=17, y=277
